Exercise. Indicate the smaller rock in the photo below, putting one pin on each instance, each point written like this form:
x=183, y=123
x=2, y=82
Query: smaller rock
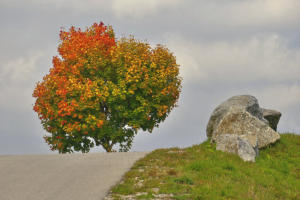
x=141, y=170
x=244, y=146
x=155, y=190
x=178, y=151
x=272, y=116
x=245, y=150
x=141, y=193
x=140, y=183
x=163, y=196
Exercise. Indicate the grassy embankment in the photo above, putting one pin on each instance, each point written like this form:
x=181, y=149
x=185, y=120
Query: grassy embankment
x=201, y=172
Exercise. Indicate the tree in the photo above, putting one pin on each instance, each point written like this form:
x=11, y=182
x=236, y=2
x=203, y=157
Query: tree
x=101, y=90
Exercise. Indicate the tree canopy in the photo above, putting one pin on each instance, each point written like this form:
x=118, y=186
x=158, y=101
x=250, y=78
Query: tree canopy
x=101, y=91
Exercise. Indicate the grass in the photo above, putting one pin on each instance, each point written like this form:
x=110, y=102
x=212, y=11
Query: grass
x=201, y=172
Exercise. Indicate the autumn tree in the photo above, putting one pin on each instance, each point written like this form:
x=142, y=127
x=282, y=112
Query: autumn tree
x=101, y=91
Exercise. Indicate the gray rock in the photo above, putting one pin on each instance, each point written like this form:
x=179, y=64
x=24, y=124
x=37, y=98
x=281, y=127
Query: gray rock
x=241, y=122
x=244, y=102
x=237, y=144
x=227, y=143
x=241, y=115
x=246, y=150
x=272, y=116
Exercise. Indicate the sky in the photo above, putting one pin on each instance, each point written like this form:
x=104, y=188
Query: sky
x=224, y=48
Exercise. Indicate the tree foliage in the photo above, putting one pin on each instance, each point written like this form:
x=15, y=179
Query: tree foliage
x=101, y=91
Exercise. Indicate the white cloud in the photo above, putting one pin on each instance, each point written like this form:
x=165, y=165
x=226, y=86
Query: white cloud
x=262, y=11
x=140, y=8
x=80, y=6
x=19, y=70
x=273, y=11
x=284, y=98
x=17, y=82
x=279, y=96
x=258, y=13
x=262, y=65
x=259, y=58
x=77, y=6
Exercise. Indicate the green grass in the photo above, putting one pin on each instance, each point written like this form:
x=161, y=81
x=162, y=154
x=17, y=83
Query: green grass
x=201, y=172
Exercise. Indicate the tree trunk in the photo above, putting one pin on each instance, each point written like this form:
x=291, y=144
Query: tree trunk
x=108, y=147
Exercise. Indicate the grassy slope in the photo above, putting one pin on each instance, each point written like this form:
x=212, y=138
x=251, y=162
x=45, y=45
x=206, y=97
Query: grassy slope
x=201, y=172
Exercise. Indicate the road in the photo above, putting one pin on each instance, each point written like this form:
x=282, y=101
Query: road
x=62, y=177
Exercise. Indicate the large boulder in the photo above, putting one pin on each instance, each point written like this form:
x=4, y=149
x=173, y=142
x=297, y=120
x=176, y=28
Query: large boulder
x=241, y=115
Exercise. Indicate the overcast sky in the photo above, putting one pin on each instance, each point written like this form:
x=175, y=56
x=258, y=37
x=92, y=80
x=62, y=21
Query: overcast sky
x=223, y=47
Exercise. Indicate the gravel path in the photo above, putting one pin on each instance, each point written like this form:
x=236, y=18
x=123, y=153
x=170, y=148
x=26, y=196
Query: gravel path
x=68, y=176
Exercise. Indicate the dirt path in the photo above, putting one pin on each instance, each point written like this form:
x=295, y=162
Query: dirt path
x=70, y=176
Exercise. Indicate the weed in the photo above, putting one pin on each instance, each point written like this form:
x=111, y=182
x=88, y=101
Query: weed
x=184, y=180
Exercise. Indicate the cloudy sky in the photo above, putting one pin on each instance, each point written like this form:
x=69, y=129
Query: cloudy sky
x=224, y=48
